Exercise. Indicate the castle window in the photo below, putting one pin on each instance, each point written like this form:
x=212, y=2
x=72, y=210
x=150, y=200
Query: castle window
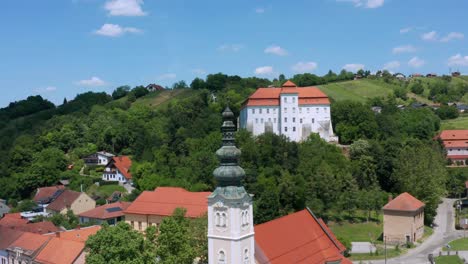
x=221, y=257
x=294, y=120
x=325, y=109
x=316, y=110
x=269, y=119
x=256, y=120
x=217, y=219
x=285, y=119
x=300, y=120
x=308, y=109
x=294, y=129
x=294, y=109
x=260, y=110
x=285, y=99
x=285, y=129
x=285, y=110
x=300, y=110
x=246, y=256
x=313, y=120
x=261, y=120
x=268, y=110
x=294, y=99
x=253, y=110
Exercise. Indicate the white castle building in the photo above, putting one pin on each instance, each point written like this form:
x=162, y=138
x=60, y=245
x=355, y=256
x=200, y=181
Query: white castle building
x=293, y=111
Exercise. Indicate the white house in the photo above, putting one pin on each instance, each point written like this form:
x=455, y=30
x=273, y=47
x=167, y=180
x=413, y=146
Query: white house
x=118, y=169
x=100, y=158
x=456, y=144
x=293, y=111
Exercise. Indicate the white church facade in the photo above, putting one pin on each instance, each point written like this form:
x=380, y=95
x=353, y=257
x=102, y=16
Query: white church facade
x=293, y=111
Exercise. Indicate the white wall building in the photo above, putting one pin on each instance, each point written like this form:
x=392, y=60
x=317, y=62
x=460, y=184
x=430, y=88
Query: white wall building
x=118, y=169
x=100, y=158
x=293, y=111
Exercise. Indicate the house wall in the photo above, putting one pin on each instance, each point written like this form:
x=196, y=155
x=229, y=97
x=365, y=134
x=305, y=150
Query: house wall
x=294, y=121
x=143, y=221
x=82, y=204
x=3, y=257
x=113, y=175
x=81, y=258
x=457, y=151
x=399, y=224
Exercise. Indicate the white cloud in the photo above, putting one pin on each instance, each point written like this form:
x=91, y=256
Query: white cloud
x=302, y=67
x=277, y=50
x=405, y=30
x=166, y=76
x=458, y=60
x=365, y=3
x=452, y=36
x=264, y=70
x=391, y=65
x=416, y=62
x=404, y=49
x=125, y=8
x=92, y=82
x=259, y=10
x=113, y=30
x=230, y=47
x=47, y=89
x=430, y=36
x=353, y=67
x=198, y=71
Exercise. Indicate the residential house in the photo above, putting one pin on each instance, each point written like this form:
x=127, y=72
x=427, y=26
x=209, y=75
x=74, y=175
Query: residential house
x=46, y=195
x=151, y=207
x=300, y=237
x=79, y=234
x=7, y=236
x=430, y=75
x=108, y=213
x=26, y=247
x=456, y=74
x=78, y=202
x=100, y=158
x=403, y=219
x=462, y=108
x=376, y=109
x=12, y=220
x=295, y=112
x=4, y=208
x=17, y=222
x=118, y=169
x=456, y=145
x=154, y=87
x=114, y=197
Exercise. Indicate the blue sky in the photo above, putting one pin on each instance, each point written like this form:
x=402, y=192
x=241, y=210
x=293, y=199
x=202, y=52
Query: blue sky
x=59, y=48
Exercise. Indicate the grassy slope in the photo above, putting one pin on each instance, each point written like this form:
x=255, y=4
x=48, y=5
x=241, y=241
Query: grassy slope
x=448, y=260
x=357, y=232
x=358, y=90
x=458, y=123
x=160, y=99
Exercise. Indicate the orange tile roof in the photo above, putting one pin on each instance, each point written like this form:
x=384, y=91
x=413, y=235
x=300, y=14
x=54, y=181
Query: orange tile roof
x=39, y=227
x=12, y=220
x=46, y=192
x=60, y=251
x=103, y=213
x=30, y=242
x=64, y=200
x=454, y=135
x=270, y=96
x=404, y=202
x=8, y=236
x=296, y=238
x=164, y=200
x=78, y=234
x=456, y=143
x=123, y=164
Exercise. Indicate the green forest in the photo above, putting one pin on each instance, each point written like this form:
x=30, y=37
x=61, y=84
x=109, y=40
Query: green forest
x=172, y=137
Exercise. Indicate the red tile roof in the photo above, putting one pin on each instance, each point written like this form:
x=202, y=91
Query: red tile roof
x=454, y=135
x=64, y=200
x=78, y=234
x=296, y=238
x=60, y=251
x=12, y=220
x=164, y=200
x=106, y=211
x=270, y=96
x=457, y=157
x=404, y=202
x=8, y=236
x=123, y=164
x=39, y=227
x=456, y=143
x=46, y=192
x=29, y=242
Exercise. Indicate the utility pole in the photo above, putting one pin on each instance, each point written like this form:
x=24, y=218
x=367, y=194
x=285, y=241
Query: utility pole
x=385, y=246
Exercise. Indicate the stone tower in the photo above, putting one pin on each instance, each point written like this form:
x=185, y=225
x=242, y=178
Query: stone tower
x=230, y=217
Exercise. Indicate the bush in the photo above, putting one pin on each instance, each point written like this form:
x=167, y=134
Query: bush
x=103, y=182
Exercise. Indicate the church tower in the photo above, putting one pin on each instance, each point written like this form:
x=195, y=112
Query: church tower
x=230, y=217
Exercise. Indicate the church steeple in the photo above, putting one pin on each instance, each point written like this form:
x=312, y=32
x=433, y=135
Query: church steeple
x=230, y=212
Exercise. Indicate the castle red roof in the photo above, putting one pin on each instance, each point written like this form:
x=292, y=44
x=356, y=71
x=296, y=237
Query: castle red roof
x=456, y=143
x=454, y=135
x=123, y=164
x=46, y=192
x=404, y=202
x=60, y=251
x=64, y=200
x=270, y=96
x=297, y=238
x=164, y=200
x=107, y=211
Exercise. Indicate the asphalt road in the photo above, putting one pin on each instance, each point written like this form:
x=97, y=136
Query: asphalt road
x=444, y=232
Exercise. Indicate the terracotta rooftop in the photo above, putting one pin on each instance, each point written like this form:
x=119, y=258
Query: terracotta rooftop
x=60, y=251
x=107, y=211
x=29, y=242
x=46, y=192
x=297, y=238
x=404, y=202
x=39, y=227
x=456, y=143
x=12, y=220
x=270, y=96
x=123, y=164
x=64, y=200
x=78, y=234
x=454, y=135
x=164, y=200
x=8, y=236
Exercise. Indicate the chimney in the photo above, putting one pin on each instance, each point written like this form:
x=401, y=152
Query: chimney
x=390, y=198
x=78, y=227
x=57, y=234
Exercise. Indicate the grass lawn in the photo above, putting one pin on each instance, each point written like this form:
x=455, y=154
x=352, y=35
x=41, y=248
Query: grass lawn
x=358, y=90
x=458, y=123
x=459, y=244
x=448, y=260
x=391, y=253
x=105, y=190
x=161, y=98
x=357, y=232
